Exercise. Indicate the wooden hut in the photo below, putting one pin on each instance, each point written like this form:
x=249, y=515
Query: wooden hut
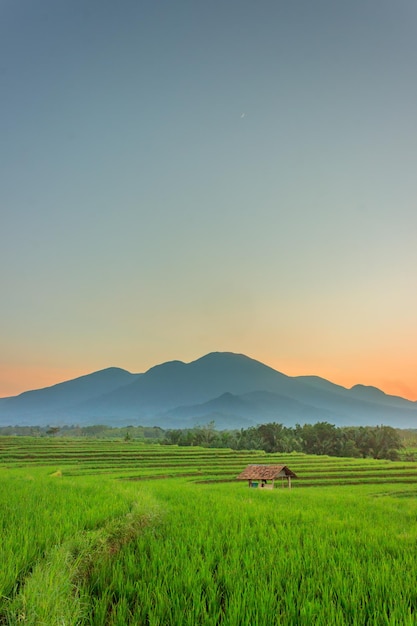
x=259, y=475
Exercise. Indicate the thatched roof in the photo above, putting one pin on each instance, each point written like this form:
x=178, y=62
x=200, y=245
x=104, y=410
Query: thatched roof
x=265, y=472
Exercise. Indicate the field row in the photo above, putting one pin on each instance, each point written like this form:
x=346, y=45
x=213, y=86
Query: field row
x=114, y=553
x=126, y=534
x=137, y=461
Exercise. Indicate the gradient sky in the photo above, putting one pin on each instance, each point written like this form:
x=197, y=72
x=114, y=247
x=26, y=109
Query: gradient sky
x=183, y=177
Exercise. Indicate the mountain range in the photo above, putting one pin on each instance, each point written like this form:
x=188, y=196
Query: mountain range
x=230, y=389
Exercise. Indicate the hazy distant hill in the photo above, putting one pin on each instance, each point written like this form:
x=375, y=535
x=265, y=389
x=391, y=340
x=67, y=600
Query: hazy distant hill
x=64, y=396
x=231, y=389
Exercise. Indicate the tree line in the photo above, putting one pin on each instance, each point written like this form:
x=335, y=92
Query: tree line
x=95, y=431
x=377, y=442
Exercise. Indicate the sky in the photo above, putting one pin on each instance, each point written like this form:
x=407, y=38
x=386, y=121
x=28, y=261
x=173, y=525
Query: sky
x=178, y=178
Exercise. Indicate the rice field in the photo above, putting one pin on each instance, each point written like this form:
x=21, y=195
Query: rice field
x=125, y=533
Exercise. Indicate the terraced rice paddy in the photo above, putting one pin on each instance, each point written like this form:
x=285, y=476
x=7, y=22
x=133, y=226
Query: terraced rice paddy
x=125, y=533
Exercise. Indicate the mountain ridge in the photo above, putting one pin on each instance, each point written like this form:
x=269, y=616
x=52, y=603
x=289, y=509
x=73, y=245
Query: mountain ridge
x=236, y=389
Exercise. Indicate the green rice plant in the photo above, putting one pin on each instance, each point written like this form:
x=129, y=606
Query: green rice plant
x=80, y=547
x=39, y=512
x=228, y=555
x=51, y=592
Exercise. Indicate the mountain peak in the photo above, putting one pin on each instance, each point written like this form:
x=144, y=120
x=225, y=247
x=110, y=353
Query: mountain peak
x=367, y=389
x=229, y=387
x=222, y=356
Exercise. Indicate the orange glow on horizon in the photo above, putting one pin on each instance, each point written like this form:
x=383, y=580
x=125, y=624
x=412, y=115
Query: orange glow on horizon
x=18, y=379
x=373, y=377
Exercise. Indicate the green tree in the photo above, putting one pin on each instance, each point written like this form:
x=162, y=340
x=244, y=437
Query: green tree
x=385, y=443
x=320, y=438
x=277, y=438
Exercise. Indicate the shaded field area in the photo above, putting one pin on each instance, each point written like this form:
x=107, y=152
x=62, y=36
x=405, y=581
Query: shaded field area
x=125, y=533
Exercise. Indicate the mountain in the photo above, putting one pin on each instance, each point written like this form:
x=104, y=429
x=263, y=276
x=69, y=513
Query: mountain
x=240, y=411
x=232, y=389
x=33, y=405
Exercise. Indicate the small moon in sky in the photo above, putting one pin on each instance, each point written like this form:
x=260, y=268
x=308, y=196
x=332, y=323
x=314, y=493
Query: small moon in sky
x=242, y=115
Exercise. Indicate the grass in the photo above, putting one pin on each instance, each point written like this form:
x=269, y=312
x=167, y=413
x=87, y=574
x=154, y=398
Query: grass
x=83, y=545
x=223, y=556
x=38, y=512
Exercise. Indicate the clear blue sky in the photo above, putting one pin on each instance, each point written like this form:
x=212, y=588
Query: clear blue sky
x=183, y=177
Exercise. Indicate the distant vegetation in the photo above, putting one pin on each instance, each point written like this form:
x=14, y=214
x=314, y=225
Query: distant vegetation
x=377, y=442
x=97, y=431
